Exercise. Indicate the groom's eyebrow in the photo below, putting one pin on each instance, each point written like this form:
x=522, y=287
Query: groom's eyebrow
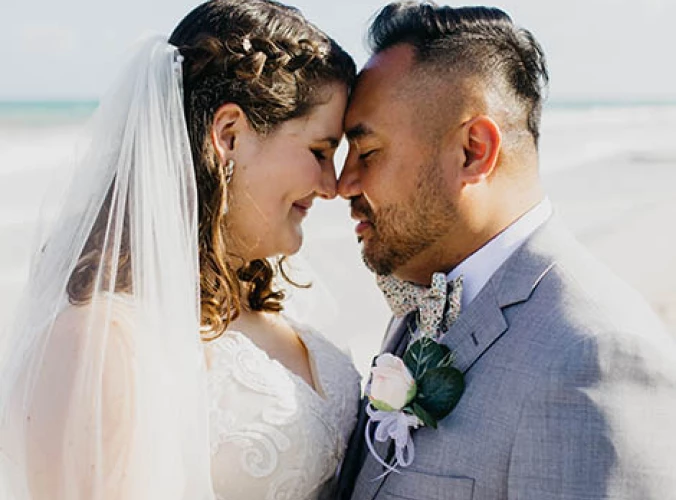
x=359, y=131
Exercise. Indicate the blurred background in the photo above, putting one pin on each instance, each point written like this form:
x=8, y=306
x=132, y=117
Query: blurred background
x=608, y=150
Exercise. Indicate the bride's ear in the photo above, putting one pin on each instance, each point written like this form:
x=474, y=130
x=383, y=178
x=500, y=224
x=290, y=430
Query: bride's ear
x=228, y=125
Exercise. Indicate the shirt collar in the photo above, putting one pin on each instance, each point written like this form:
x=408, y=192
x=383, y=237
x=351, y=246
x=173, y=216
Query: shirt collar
x=478, y=268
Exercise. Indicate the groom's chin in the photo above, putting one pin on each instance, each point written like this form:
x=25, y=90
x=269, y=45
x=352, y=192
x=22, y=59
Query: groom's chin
x=376, y=266
x=365, y=259
x=368, y=264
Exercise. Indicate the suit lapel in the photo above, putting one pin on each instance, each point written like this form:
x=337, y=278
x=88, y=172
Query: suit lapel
x=483, y=322
x=475, y=330
x=395, y=330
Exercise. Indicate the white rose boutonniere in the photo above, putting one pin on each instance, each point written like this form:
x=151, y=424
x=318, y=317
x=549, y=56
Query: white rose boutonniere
x=404, y=394
x=392, y=385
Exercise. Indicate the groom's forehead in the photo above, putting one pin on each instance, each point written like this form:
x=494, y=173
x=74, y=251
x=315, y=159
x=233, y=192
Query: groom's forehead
x=379, y=84
x=386, y=70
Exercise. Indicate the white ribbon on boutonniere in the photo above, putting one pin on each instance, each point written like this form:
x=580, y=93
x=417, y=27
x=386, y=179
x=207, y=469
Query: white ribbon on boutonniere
x=394, y=425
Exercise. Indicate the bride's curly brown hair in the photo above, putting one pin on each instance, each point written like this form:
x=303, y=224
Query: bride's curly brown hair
x=268, y=59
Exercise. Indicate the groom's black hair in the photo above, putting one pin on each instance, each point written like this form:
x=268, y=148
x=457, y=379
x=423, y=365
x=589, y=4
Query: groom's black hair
x=478, y=41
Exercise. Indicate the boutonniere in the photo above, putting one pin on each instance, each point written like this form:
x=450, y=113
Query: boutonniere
x=406, y=393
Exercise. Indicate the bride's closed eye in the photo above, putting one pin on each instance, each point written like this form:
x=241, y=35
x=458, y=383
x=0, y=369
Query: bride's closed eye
x=324, y=154
x=325, y=148
x=320, y=154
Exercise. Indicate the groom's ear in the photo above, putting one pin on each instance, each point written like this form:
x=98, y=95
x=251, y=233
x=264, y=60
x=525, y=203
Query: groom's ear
x=481, y=143
x=228, y=125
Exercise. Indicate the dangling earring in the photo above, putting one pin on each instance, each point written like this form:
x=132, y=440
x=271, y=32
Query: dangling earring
x=229, y=170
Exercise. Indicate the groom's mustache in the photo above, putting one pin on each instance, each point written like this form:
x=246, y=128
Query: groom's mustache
x=361, y=210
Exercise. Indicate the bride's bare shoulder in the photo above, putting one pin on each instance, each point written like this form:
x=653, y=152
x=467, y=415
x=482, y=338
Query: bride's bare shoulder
x=110, y=319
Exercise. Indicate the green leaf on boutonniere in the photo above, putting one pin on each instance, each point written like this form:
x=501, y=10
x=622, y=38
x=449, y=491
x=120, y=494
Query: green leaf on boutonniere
x=425, y=354
x=439, y=390
x=422, y=414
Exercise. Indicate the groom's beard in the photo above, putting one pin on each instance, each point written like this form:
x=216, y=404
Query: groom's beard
x=401, y=231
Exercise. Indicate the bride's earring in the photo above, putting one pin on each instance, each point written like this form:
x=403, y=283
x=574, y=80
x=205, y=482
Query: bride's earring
x=229, y=169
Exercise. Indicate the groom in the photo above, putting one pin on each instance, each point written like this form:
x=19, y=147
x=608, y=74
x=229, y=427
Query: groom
x=570, y=377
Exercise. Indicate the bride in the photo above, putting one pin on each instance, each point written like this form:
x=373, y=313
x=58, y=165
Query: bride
x=149, y=358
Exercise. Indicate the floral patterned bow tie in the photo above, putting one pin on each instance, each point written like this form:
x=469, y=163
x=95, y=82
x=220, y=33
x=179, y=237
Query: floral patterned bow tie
x=438, y=305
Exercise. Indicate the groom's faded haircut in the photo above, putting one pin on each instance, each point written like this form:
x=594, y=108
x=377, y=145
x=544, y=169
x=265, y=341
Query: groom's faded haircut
x=471, y=41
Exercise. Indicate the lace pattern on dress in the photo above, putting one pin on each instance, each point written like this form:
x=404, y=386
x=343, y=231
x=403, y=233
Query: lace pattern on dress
x=272, y=435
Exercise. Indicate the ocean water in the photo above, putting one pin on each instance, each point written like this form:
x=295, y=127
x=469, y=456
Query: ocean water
x=572, y=133
x=37, y=140
x=580, y=133
x=584, y=148
x=32, y=114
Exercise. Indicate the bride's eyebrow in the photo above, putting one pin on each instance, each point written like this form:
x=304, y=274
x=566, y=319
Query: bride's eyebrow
x=331, y=141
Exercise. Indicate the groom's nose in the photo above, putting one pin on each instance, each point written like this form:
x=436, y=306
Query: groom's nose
x=349, y=184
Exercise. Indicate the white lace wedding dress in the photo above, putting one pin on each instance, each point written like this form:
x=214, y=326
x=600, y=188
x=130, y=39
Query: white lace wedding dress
x=273, y=437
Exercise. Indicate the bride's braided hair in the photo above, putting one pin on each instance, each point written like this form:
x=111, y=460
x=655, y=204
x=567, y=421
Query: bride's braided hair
x=275, y=65
x=266, y=58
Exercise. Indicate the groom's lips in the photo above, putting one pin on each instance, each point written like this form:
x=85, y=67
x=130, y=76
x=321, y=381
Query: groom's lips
x=361, y=215
x=362, y=227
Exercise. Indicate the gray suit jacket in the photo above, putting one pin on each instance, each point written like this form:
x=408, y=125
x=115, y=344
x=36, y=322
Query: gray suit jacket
x=571, y=391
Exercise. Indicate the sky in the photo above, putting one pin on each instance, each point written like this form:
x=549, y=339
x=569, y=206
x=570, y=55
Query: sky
x=609, y=50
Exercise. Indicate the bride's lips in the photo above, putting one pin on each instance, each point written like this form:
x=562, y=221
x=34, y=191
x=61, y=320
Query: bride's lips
x=303, y=208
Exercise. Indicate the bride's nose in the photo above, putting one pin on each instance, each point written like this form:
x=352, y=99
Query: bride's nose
x=327, y=183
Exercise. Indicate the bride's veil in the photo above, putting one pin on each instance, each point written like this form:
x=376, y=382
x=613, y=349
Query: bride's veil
x=102, y=391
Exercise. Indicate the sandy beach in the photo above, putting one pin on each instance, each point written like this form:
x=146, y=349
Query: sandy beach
x=624, y=212
x=610, y=173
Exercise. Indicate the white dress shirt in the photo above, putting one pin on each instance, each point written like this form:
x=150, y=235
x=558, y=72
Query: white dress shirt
x=478, y=268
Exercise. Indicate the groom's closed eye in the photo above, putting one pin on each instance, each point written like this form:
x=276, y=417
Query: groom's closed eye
x=359, y=137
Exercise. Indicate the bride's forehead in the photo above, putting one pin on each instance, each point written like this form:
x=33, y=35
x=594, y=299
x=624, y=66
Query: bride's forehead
x=324, y=121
